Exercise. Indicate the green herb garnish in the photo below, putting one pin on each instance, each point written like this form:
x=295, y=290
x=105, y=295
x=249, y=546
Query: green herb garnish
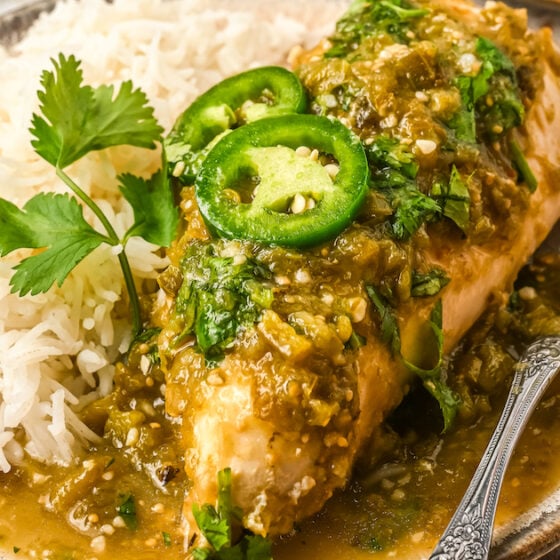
x=389, y=152
x=367, y=18
x=428, y=284
x=454, y=199
x=433, y=378
x=127, y=510
x=390, y=333
x=522, y=166
x=219, y=296
x=221, y=526
x=149, y=336
x=75, y=120
x=166, y=537
x=412, y=209
x=496, y=80
x=393, y=172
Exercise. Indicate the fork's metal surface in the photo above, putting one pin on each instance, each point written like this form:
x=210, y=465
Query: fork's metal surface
x=469, y=533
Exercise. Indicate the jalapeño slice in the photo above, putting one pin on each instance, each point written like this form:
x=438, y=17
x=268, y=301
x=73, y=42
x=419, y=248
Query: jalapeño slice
x=252, y=182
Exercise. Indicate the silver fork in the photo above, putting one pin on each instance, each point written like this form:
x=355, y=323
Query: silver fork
x=469, y=532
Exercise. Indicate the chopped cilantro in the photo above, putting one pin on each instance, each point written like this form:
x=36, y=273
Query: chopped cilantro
x=428, y=284
x=166, y=537
x=389, y=326
x=412, y=209
x=367, y=18
x=389, y=152
x=393, y=171
x=496, y=81
x=463, y=122
x=219, y=297
x=433, y=379
x=217, y=524
x=127, y=510
x=149, y=337
x=355, y=341
x=454, y=199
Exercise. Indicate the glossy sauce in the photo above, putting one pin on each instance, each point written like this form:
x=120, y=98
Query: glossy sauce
x=396, y=509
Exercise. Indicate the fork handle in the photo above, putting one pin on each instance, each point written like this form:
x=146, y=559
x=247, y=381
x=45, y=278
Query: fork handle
x=469, y=532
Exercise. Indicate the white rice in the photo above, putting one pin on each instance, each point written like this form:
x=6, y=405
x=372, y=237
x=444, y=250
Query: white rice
x=57, y=349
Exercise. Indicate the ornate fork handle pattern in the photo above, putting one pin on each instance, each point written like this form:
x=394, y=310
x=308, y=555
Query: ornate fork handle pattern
x=469, y=533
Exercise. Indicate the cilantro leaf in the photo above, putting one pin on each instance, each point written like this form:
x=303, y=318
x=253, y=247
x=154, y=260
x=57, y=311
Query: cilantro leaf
x=155, y=215
x=127, y=510
x=429, y=284
x=433, y=379
x=166, y=538
x=505, y=112
x=394, y=169
x=412, y=209
x=390, y=333
x=389, y=152
x=497, y=80
x=457, y=200
x=454, y=199
x=78, y=119
x=258, y=548
x=463, y=121
x=51, y=221
x=216, y=529
x=447, y=399
x=15, y=230
x=368, y=18
x=217, y=523
x=219, y=297
x=493, y=58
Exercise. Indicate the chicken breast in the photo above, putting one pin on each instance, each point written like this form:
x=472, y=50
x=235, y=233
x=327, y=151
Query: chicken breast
x=294, y=394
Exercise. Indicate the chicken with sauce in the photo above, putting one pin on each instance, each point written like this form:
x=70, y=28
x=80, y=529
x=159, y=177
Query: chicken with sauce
x=284, y=353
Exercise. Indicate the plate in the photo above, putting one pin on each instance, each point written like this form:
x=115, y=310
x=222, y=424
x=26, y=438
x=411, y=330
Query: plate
x=535, y=534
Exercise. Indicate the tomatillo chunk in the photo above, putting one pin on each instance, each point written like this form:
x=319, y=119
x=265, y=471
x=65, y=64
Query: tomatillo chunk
x=262, y=182
x=246, y=97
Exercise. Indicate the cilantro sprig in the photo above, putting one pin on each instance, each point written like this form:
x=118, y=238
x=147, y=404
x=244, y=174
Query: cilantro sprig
x=74, y=120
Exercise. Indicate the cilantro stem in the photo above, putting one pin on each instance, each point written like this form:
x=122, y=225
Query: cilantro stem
x=523, y=166
x=132, y=293
x=114, y=240
x=85, y=198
